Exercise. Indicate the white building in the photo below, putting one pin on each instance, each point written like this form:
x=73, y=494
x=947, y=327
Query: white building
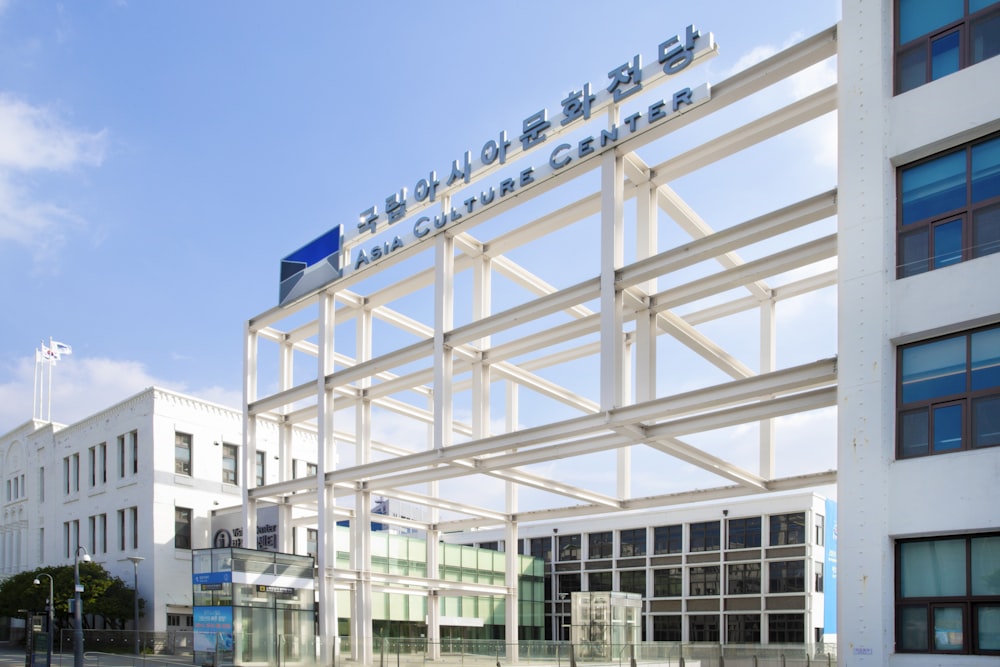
x=746, y=571
x=919, y=350
x=140, y=478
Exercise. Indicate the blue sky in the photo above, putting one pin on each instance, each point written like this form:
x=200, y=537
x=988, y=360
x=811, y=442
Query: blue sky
x=158, y=159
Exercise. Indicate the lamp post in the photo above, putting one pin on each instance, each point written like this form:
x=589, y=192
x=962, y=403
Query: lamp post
x=52, y=614
x=135, y=597
x=78, y=607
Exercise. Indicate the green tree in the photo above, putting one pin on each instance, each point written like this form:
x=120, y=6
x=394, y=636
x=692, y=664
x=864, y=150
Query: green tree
x=103, y=596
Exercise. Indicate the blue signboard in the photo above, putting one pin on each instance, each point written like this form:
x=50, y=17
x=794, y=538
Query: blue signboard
x=311, y=266
x=213, y=628
x=830, y=570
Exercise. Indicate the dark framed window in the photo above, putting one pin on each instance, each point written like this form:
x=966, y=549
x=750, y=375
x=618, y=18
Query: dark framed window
x=599, y=581
x=703, y=628
x=786, y=628
x=703, y=536
x=182, y=453
x=938, y=37
x=743, y=533
x=569, y=547
x=743, y=578
x=668, y=539
x=703, y=580
x=949, y=208
x=948, y=595
x=786, y=576
x=948, y=394
x=666, y=628
x=541, y=547
x=568, y=583
x=668, y=582
x=743, y=629
x=182, y=528
x=632, y=581
x=788, y=529
x=599, y=545
x=818, y=576
x=633, y=542
x=230, y=464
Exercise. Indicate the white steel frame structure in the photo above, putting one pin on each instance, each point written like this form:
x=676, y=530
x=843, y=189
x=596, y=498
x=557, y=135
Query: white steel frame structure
x=359, y=354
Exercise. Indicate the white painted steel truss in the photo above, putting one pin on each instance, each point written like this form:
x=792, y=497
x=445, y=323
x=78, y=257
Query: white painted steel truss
x=400, y=381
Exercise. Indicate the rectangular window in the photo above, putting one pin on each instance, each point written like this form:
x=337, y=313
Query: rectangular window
x=668, y=582
x=743, y=629
x=818, y=569
x=743, y=579
x=41, y=484
x=311, y=469
x=312, y=538
x=599, y=581
x=182, y=528
x=668, y=539
x=744, y=533
x=92, y=533
x=787, y=576
x=600, y=545
x=786, y=628
x=788, y=529
x=102, y=463
x=122, y=457
x=939, y=37
x=632, y=581
x=133, y=438
x=704, y=580
x=182, y=453
x=948, y=595
x=540, y=547
x=703, y=628
x=949, y=208
x=121, y=530
x=820, y=529
x=92, y=465
x=66, y=486
x=633, y=542
x=230, y=464
x=704, y=536
x=569, y=547
x=568, y=583
x=260, y=461
x=666, y=628
x=948, y=394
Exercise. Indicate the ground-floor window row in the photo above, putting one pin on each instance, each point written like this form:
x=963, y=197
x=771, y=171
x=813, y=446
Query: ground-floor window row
x=948, y=595
x=743, y=628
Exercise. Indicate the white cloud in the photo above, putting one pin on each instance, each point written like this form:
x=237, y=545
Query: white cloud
x=36, y=139
x=83, y=386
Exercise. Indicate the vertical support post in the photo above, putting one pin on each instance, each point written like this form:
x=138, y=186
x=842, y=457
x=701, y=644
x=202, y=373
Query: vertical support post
x=326, y=537
x=612, y=256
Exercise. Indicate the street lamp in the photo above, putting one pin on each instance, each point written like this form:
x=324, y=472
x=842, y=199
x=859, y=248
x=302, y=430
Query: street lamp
x=52, y=613
x=135, y=597
x=78, y=606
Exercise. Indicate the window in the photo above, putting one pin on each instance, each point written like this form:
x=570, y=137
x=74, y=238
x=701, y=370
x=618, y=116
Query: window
x=787, y=576
x=311, y=469
x=949, y=208
x=668, y=582
x=133, y=437
x=568, y=583
x=312, y=539
x=92, y=465
x=260, y=458
x=788, y=529
x=786, y=629
x=230, y=464
x=744, y=533
x=180, y=620
x=599, y=545
x=599, y=581
x=666, y=628
x=820, y=524
x=818, y=570
x=704, y=580
x=632, y=581
x=704, y=536
x=182, y=528
x=182, y=453
x=569, y=547
x=937, y=38
x=41, y=484
x=704, y=628
x=540, y=547
x=948, y=394
x=743, y=629
x=633, y=542
x=71, y=474
x=743, y=579
x=948, y=595
x=667, y=539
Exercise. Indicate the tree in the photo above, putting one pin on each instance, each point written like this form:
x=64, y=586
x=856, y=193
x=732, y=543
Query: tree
x=103, y=596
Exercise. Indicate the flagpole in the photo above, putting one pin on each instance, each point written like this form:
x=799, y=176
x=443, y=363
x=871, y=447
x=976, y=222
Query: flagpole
x=51, y=364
